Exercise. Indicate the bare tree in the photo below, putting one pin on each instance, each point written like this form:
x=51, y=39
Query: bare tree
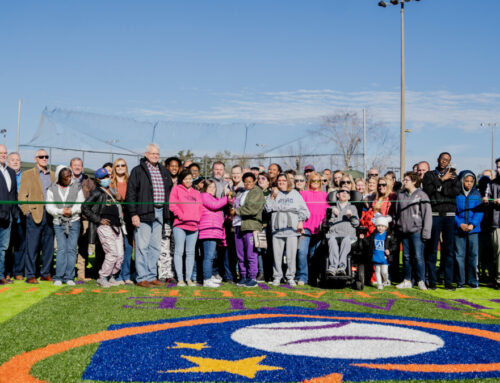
x=344, y=129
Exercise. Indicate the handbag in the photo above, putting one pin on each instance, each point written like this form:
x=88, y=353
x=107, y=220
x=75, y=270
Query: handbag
x=260, y=239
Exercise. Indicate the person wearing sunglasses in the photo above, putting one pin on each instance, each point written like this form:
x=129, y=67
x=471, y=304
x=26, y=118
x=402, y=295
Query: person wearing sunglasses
x=300, y=182
x=381, y=202
x=316, y=201
x=39, y=227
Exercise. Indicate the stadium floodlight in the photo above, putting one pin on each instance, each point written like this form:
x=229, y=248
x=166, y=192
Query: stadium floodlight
x=403, y=131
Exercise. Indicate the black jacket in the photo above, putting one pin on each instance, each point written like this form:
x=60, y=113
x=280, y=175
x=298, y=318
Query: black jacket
x=8, y=210
x=442, y=194
x=93, y=212
x=140, y=189
x=391, y=243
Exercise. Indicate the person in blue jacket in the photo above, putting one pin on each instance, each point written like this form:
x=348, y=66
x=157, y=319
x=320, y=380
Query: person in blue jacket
x=467, y=228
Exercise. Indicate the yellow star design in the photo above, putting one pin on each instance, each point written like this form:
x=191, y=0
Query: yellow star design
x=245, y=367
x=194, y=346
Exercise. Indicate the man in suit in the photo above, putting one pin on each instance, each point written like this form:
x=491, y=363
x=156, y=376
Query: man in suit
x=39, y=228
x=8, y=212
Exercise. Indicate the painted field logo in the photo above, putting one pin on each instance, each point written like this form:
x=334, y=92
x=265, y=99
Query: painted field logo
x=282, y=344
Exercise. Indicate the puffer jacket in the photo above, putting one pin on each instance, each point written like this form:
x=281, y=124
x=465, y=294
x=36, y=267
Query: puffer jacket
x=469, y=209
x=212, y=217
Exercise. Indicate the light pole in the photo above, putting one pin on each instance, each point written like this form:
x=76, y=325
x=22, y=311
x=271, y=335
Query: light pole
x=403, y=131
x=111, y=142
x=491, y=125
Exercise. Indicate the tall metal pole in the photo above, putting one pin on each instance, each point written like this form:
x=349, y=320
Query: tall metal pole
x=493, y=146
x=20, y=101
x=402, y=149
x=364, y=144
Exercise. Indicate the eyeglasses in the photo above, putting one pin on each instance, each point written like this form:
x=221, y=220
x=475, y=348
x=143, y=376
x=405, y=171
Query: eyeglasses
x=373, y=175
x=121, y=165
x=382, y=185
x=300, y=180
x=43, y=157
x=345, y=182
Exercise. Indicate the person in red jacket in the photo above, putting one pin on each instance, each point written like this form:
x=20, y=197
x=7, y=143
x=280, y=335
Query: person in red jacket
x=186, y=205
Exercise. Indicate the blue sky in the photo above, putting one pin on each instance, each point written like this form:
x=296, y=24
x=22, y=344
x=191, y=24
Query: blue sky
x=258, y=61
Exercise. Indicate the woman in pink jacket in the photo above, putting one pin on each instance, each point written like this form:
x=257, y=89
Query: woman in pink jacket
x=186, y=205
x=211, y=229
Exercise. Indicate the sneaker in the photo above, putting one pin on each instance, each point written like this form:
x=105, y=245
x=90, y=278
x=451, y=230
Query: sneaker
x=70, y=282
x=242, y=282
x=216, y=278
x=331, y=272
x=380, y=286
x=210, y=283
x=181, y=284
x=460, y=287
x=449, y=288
x=406, y=284
x=251, y=283
x=422, y=286
x=113, y=282
x=341, y=272
x=301, y=283
x=58, y=283
x=260, y=277
x=386, y=283
x=103, y=282
x=292, y=283
x=276, y=282
x=191, y=283
x=129, y=282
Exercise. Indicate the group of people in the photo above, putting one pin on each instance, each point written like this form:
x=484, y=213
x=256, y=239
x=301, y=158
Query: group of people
x=245, y=225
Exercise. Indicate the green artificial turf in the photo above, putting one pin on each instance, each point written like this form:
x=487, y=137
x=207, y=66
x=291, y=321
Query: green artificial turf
x=36, y=319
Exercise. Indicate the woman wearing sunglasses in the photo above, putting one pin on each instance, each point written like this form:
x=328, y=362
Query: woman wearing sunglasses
x=119, y=180
x=300, y=182
x=316, y=201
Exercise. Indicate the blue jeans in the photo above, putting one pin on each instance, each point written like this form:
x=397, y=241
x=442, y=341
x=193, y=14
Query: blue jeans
x=147, y=247
x=39, y=235
x=127, y=258
x=446, y=225
x=4, y=244
x=184, y=238
x=66, y=251
x=413, y=249
x=309, y=243
x=209, y=254
x=467, y=247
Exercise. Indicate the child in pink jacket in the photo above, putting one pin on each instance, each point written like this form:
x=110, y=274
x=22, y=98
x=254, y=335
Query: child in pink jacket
x=186, y=205
x=211, y=230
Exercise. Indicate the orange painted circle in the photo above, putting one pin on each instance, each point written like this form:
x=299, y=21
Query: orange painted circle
x=17, y=369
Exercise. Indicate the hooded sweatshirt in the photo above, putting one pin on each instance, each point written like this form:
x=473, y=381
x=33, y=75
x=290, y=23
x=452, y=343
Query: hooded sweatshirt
x=187, y=206
x=469, y=209
x=287, y=209
x=414, y=213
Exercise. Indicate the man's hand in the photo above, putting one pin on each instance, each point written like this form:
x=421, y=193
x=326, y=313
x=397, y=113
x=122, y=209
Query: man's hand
x=67, y=212
x=464, y=227
x=448, y=176
x=485, y=199
x=471, y=227
x=136, y=221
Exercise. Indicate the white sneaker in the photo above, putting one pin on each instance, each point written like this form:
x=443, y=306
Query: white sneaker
x=181, y=284
x=70, y=283
x=380, y=286
x=57, y=283
x=103, y=282
x=214, y=279
x=276, y=282
x=422, y=286
x=406, y=284
x=113, y=282
x=292, y=283
x=210, y=283
x=191, y=283
x=387, y=283
x=301, y=283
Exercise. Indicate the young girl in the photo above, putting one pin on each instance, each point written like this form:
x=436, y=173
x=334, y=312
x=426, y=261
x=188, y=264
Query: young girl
x=289, y=211
x=106, y=219
x=382, y=245
x=211, y=229
x=66, y=222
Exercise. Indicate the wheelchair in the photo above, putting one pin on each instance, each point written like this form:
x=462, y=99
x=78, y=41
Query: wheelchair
x=355, y=266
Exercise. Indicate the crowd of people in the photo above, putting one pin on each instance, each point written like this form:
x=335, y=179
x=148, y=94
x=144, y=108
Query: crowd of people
x=162, y=223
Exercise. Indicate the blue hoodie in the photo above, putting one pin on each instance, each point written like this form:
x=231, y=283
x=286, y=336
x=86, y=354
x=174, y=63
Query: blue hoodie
x=469, y=210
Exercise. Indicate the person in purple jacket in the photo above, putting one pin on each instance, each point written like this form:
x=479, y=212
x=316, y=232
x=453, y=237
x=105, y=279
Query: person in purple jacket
x=211, y=229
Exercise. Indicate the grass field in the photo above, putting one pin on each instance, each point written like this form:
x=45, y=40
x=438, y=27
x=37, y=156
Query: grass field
x=34, y=317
